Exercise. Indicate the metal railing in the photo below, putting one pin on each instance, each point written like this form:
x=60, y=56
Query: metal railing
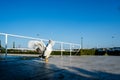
x=26, y=37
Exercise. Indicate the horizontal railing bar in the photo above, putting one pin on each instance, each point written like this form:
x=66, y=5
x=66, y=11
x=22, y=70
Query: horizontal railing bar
x=37, y=39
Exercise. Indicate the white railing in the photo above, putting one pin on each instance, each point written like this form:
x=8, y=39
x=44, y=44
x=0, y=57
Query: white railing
x=26, y=37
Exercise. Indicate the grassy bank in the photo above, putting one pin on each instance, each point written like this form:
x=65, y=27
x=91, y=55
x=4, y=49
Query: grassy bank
x=81, y=52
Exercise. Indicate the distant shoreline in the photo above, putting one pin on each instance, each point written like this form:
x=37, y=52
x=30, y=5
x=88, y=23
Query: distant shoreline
x=35, y=55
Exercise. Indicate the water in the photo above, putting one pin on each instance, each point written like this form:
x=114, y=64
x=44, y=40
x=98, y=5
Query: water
x=60, y=68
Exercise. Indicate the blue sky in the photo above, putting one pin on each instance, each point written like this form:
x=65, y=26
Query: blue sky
x=64, y=20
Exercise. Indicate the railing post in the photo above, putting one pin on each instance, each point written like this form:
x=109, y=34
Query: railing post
x=61, y=47
x=70, y=49
x=6, y=41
